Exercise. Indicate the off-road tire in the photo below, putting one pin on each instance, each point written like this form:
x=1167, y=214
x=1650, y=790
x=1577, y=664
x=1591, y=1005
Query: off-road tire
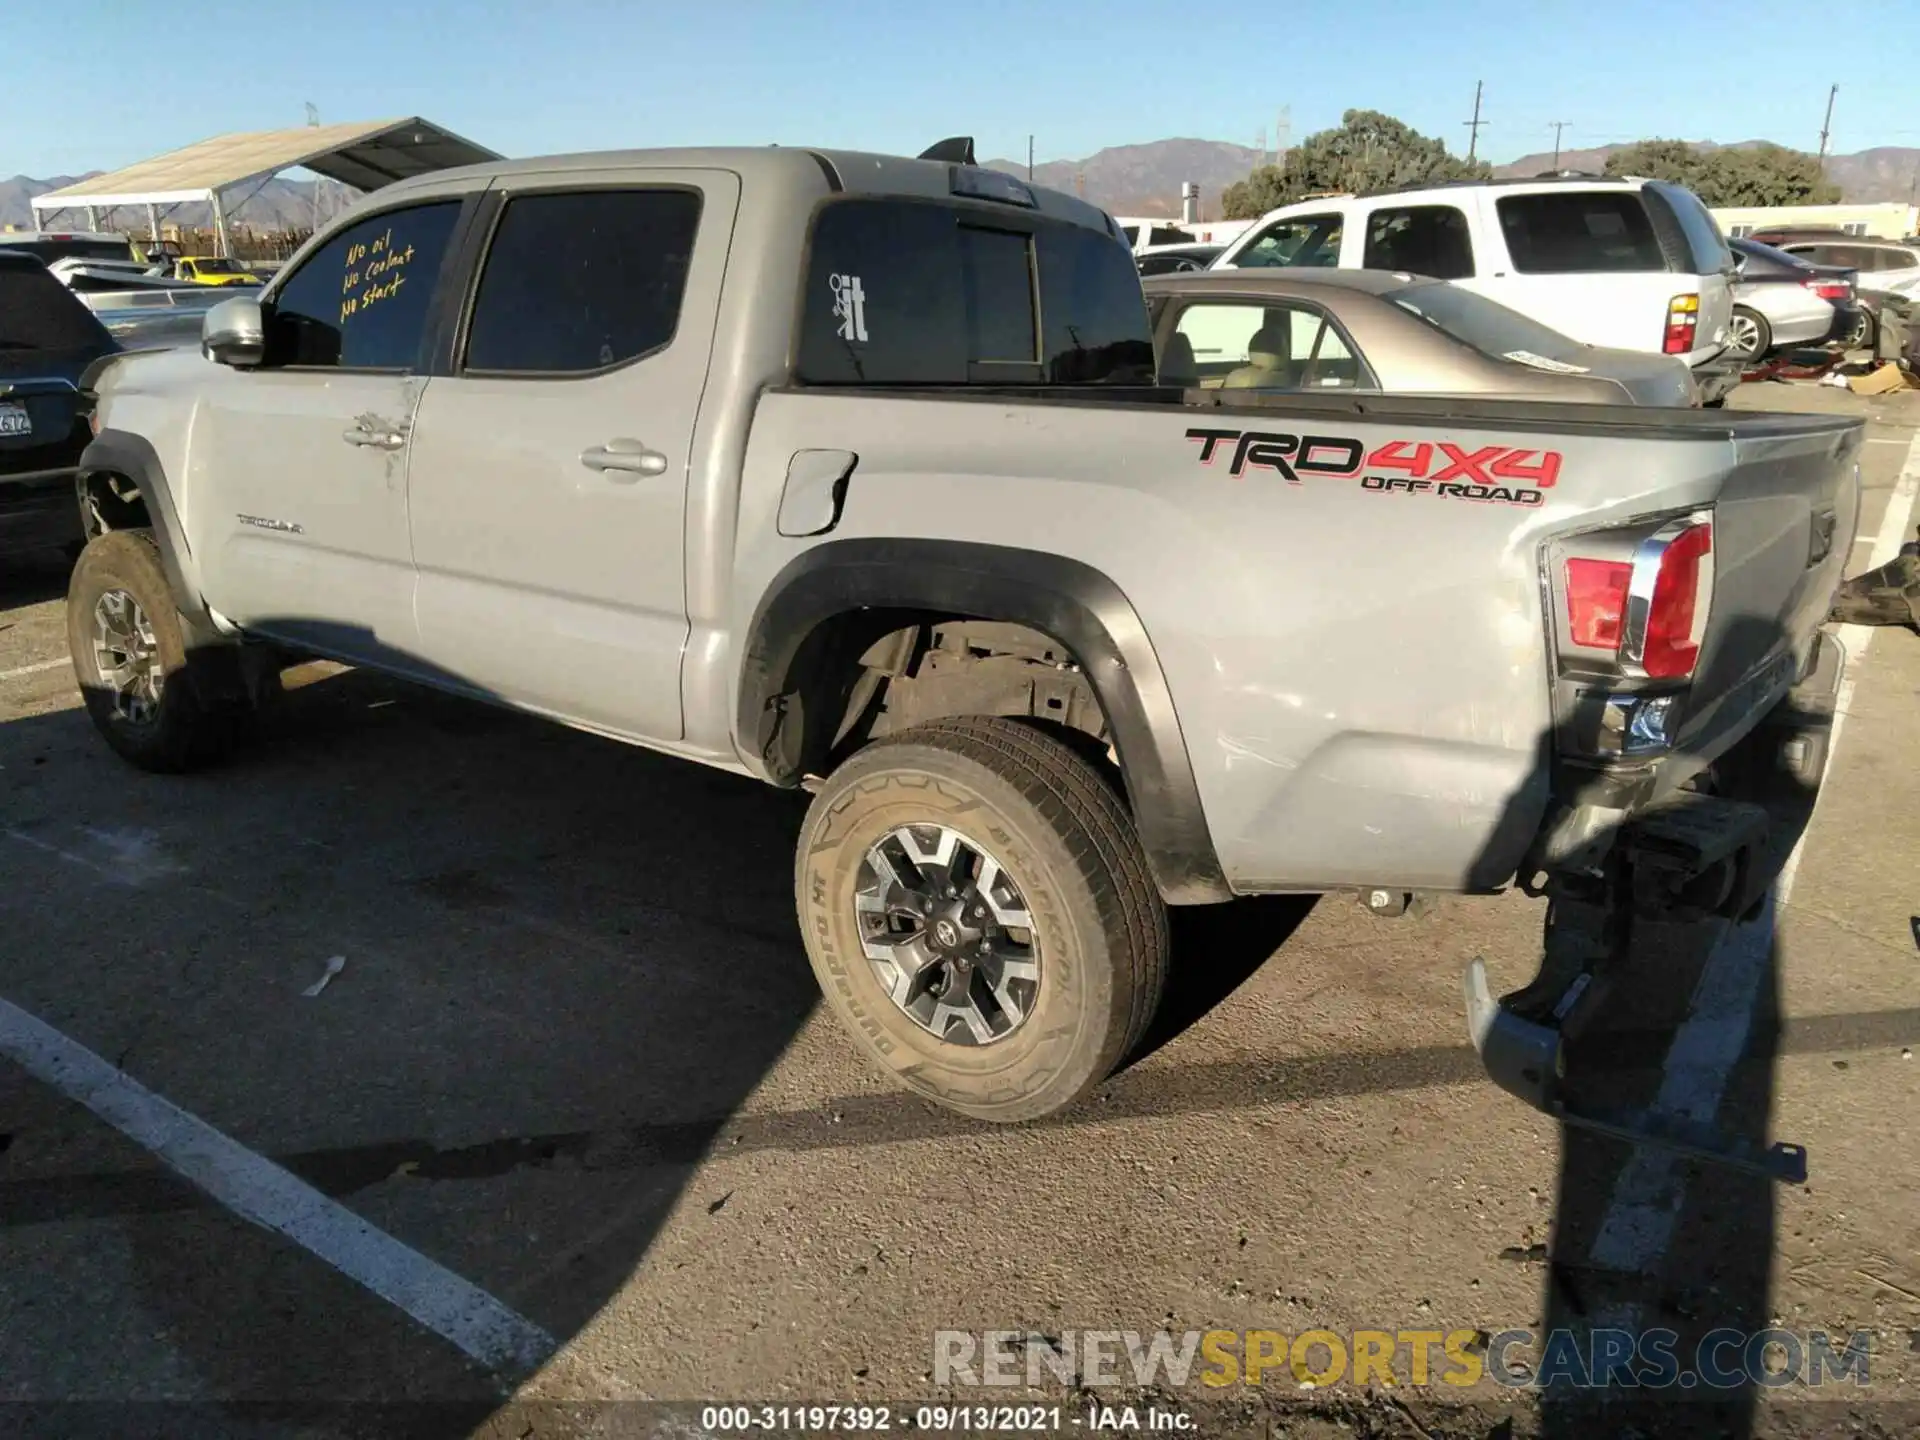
x=198, y=716
x=1062, y=831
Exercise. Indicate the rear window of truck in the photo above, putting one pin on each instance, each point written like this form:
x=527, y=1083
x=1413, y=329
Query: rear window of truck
x=1574, y=232
x=39, y=316
x=903, y=292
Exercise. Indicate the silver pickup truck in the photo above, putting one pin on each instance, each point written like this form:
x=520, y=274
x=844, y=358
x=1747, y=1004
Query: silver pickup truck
x=849, y=472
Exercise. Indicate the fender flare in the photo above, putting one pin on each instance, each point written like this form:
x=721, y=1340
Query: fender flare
x=121, y=453
x=1071, y=602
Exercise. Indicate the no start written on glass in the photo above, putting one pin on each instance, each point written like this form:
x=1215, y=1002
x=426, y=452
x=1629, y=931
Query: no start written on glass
x=374, y=272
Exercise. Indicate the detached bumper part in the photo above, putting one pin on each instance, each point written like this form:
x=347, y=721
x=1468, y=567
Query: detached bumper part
x=1692, y=857
x=1887, y=596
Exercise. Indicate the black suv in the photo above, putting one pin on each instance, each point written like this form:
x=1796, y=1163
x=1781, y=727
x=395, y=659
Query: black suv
x=48, y=338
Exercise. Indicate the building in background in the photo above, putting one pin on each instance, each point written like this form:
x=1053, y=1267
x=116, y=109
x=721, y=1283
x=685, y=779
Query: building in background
x=1889, y=221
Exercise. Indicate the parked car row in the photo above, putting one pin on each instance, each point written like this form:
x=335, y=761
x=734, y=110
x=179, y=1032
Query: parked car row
x=1616, y=264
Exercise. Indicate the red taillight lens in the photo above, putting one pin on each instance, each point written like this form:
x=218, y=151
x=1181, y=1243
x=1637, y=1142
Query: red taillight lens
x=1672, y=647
x=1830, y=289
x=1597, y=601
x=1683, y=319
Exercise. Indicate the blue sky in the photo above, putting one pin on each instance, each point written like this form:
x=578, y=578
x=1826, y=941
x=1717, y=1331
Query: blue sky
x=133, y=78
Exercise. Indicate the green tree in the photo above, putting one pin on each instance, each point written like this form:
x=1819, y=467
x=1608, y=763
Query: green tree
x=1752, y=175
x=1367, y=151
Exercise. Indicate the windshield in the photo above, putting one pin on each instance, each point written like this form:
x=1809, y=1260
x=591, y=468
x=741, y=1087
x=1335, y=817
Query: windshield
x=218, y=267
x=1488, y=327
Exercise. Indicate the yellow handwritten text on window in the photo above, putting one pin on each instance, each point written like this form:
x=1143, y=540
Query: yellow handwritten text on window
x=374, y=272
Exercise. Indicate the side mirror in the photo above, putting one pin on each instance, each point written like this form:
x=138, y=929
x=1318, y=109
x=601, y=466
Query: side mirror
x=235, y=332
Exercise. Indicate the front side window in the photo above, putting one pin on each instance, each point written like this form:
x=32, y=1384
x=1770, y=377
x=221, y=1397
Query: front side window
x=580, y=281
x=360, y=301
x=1305, y=240
x=912, y=293
x=1421, y=240
x=1251, y=345
x=1572, y=232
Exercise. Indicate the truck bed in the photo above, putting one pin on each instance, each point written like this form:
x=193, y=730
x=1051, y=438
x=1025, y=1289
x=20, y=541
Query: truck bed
x=1362, y=667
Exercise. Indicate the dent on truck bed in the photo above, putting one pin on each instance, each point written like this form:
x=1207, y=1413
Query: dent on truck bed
x=1062, y=598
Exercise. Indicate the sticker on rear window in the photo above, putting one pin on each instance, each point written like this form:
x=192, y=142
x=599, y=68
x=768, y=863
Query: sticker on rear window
x=849, y=305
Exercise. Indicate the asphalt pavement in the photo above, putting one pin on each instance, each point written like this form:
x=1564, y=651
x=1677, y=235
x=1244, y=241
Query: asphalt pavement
x=564, y=1129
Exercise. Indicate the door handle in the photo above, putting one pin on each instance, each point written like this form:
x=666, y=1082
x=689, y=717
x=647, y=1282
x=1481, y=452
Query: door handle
x=626, y=456
x=385, y=439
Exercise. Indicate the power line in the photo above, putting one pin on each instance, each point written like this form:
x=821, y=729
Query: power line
x=1473, y=125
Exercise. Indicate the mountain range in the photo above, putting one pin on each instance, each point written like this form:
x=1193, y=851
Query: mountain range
x=1123, y=179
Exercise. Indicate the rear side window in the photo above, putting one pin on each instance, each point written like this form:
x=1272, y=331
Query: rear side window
x=1420, y=239
x=1247, y=345
x=578, y=282
x=1892, y=257
x=1707, y=248
x=1302, y=240
x=39, y=315
x=360, y=301
x=1168, y=235
x=1572, y=232
x=907, y=293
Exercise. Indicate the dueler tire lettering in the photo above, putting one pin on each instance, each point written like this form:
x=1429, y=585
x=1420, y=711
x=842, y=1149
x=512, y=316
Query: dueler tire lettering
x=1057, y=827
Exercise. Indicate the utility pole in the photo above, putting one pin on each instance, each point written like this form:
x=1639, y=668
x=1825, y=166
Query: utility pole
x=1029, y=158
x=1473, y=125
x=1558, y=126
x=1827, y=124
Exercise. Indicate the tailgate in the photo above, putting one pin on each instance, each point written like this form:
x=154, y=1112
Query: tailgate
x=1662, y=667
x=1783, y=525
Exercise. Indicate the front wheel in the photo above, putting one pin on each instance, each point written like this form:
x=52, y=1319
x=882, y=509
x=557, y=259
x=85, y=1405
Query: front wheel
x=158, y=705
x=1748, y=334
x=980, y=916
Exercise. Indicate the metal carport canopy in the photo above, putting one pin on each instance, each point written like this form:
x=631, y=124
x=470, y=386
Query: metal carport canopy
x=366, y=156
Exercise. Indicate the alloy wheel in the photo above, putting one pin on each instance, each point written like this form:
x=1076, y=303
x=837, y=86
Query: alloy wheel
x=126, y=656
x=948, y=934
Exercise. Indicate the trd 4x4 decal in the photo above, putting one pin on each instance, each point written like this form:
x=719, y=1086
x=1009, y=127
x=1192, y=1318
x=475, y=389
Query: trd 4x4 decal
x=1498, y=474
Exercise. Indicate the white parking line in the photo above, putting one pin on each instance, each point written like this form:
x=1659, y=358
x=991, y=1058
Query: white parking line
x=41, y=667
x=256, y=1189
x=1650, y=1190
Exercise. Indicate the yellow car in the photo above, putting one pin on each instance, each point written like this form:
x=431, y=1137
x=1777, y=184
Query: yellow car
x=214, y=270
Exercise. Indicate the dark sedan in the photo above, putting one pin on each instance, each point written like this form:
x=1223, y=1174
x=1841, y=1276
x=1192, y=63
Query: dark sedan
x=47, y=340
x=1381, y=330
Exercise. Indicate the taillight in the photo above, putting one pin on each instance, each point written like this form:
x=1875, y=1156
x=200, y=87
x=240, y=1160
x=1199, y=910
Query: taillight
x=1676, y=616
x=1830, y=289
x=1683, y=318
x=1643, y=616
x=1597, y=601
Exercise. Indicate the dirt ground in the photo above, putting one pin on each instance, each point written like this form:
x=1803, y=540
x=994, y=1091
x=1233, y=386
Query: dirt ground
x=573, y=1056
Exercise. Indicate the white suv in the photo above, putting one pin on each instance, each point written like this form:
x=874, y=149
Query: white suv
x=1638, y=264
